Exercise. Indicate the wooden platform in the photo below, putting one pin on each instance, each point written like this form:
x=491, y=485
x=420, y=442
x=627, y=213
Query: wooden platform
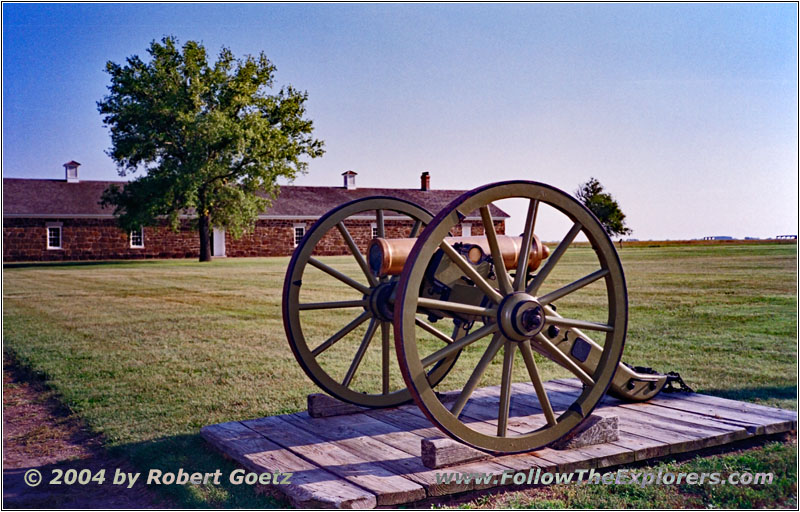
x=372, y=458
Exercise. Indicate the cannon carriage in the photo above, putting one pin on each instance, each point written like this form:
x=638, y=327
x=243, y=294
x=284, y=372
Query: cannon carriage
x=431, y=297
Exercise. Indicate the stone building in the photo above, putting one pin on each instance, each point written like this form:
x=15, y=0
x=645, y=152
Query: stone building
x=52, y=220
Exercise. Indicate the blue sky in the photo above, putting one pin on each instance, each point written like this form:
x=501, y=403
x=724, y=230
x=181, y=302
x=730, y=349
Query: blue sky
x=687, y=113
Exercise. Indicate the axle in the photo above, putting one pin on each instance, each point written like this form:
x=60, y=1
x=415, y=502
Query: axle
x=388, y=255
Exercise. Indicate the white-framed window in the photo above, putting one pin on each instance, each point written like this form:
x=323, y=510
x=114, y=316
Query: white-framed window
x=374, y=230
x=299, y=233
x=54, y=236
x=137, y=238
x=466, y=229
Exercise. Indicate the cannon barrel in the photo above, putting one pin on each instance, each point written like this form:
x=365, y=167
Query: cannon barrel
x=388, y=255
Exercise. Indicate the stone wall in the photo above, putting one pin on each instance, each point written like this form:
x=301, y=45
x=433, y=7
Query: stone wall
x=25, y=239
x=276, y=237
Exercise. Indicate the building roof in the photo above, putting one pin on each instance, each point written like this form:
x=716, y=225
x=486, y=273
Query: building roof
x=58, y=198
x=27, y=197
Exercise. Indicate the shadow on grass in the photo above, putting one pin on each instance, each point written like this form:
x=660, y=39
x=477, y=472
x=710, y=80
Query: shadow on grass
x=189, y=452
x=95, y=492
x=763, y=393
x=193, y=454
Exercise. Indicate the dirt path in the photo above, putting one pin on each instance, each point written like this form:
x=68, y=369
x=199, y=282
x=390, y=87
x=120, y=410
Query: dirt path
x=38, y=433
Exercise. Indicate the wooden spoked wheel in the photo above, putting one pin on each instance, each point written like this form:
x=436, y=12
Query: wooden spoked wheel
x=324, y=335
x=516, y=316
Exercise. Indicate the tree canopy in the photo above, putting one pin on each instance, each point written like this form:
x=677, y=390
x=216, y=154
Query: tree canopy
x=211, y=139
x=604, y=207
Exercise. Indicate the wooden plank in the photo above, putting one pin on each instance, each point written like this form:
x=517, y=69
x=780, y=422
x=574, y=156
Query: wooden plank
x=389, y=488
x=684, y=431
x=440, y=453
x=742, y=414
x=633, y=436
x=362, y=439
x=404, y=419
x=398, y=450
x=655, y=407
x=629, y=422
x=753, y=422
x=751, y=407
x=320, y=405
x=417, y=423
x=563, y=461
x=681, y=439
x=643, y=448
x=546, y=459
x=687, y=420
x=598, y=456
x=608, y=454
x=310, y=487
x=757, y=410
x=602, y=455
x=687, y=412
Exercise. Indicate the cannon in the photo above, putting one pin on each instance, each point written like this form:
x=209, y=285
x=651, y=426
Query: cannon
x=440, y=297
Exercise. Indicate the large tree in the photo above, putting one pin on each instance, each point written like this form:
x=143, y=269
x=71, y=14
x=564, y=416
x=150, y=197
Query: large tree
x=210, y=139
x=604, y=207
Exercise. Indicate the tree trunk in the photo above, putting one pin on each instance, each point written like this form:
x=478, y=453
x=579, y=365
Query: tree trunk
x=205, y=239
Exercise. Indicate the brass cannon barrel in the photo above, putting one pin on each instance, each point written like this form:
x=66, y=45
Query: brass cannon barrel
x=388, y=255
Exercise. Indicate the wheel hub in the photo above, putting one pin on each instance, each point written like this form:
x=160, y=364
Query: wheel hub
x=520, y=316
x=379, y=303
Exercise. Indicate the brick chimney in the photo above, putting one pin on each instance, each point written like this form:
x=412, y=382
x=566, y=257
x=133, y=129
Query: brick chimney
x=350, y=180
x=71, y=171
x=425, y=181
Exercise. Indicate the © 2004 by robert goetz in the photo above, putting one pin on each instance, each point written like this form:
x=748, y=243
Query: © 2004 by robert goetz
x=34, y=477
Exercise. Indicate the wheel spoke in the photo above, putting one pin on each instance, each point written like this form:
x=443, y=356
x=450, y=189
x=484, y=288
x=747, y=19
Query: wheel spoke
x=362, y=349
x=573, y=286
x=580, y=324
x=332, y=305
x=525, y=250
x=415, y=229
x=477, y=373
x=497, y=257
x=344, y=331
x=385, y=353
x=433, y=330
x=338, y=275
x=379, y=224
x=459, y=344
x=456, y=307
x=553, y=259
x=562, y=359
x=373, y=281
x=505, y=387
x=471, y=273
x=536, y=380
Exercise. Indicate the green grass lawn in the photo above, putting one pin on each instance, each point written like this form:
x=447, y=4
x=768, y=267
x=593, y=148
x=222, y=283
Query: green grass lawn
x=149, y=352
